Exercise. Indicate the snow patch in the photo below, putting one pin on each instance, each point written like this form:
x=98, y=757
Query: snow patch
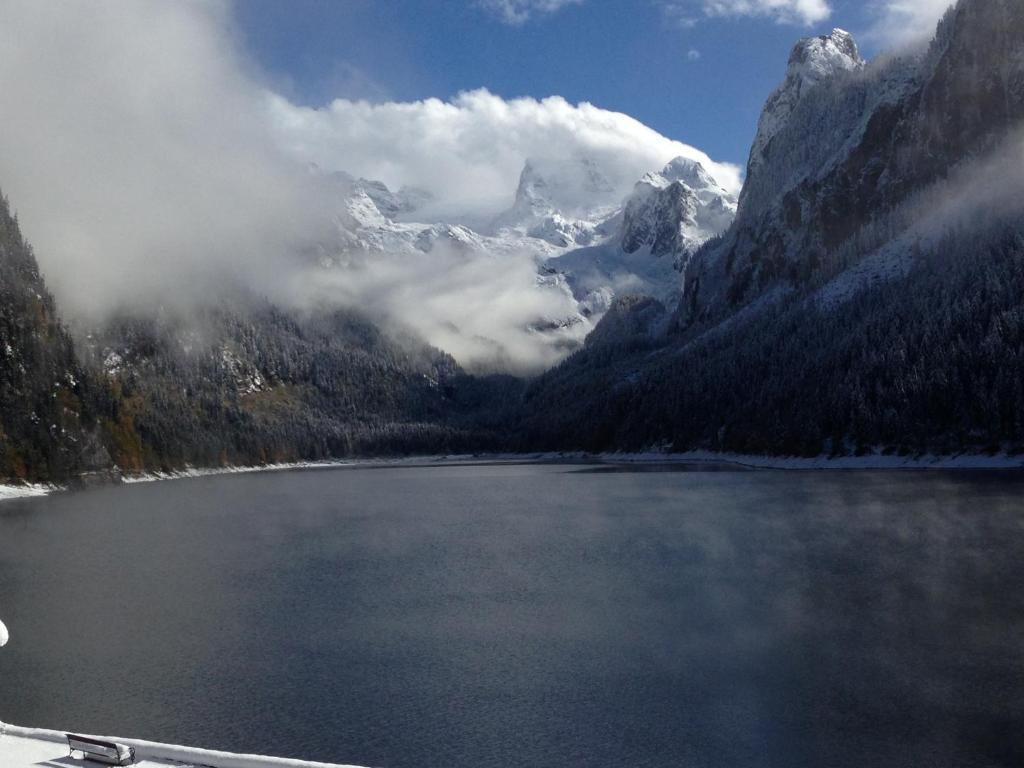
x=29, y=747
x=24, y=491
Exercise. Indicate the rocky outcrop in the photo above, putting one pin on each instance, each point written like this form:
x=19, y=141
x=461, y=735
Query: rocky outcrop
x=674, y=212
x=843, y=147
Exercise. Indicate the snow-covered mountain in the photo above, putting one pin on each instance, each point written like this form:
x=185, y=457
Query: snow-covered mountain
x=648, y=242
x=586, y=246
x=849, y=153
x=814, y=60
x=676, y=211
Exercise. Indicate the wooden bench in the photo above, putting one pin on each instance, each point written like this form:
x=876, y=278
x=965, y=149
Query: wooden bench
x=101, y=751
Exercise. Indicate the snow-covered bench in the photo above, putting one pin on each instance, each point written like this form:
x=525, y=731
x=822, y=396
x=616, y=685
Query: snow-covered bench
x=102, y=751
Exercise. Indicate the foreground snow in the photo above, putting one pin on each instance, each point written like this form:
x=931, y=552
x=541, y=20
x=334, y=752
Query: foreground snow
x=152, y=477
x=23, y=491
x=30, y=747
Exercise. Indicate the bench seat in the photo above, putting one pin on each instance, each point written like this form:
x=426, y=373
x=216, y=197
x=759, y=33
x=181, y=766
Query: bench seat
x=108, y=752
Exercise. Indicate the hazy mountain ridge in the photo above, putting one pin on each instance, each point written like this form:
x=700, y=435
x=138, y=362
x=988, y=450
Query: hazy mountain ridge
x=250, y=383
x=241, y=383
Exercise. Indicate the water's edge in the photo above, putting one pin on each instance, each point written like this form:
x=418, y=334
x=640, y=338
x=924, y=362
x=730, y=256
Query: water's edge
x=870, y=462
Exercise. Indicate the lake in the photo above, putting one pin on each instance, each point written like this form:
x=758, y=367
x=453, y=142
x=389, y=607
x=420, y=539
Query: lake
x=531, y=615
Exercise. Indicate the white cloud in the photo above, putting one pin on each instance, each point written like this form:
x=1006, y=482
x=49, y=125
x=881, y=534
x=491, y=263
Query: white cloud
x=470, y=151
x=686, y=12
x=518, y=12
x=134, y=148
x=480, y=308
x=906, y=22
x=693, y=55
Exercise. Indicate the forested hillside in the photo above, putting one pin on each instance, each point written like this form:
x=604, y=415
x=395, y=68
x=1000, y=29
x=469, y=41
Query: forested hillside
x=249, y=383
x=242, y=383
x=46, y=425
x=932, y=362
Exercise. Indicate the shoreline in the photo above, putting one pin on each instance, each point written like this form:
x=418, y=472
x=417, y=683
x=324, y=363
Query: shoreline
x=26, y=491
x=20, y=746
x=877, y=462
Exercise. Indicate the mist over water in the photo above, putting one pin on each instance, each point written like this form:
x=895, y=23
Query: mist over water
x=495, y=616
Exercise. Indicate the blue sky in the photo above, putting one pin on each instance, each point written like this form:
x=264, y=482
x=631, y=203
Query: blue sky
x=696, y=78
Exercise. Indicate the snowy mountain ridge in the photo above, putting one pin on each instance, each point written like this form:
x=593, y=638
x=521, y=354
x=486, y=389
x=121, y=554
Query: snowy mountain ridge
x=585, y=247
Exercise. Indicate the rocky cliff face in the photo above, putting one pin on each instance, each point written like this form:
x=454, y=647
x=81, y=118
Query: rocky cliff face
x=676, y=211
x=814, y=60
x=844, y=147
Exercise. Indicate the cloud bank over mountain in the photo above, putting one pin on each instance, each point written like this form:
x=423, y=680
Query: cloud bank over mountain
x=895, y=22
x=135, y=149
x=469, y=151
x=906, y=22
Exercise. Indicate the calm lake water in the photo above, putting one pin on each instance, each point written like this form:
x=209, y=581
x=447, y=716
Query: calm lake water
x=457, y=617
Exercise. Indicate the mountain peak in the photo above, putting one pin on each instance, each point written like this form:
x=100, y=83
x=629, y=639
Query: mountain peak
x=676, y=210
x=814, y=60
x=532, y=191
x=692, y=173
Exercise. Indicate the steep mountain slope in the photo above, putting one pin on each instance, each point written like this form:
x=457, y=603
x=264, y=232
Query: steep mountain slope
x=46, y=428
x=241, y=383
x=845, y=150
x=869, y=292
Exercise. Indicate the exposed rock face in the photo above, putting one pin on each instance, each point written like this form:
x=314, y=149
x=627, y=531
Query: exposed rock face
x=674, y=212
x=842, y=146
x=813, y=61
x=659, y=217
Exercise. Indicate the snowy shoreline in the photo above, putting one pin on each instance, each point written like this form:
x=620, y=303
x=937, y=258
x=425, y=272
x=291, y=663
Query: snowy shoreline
x=695, y=459
x=25, y=747
x=25, y=491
